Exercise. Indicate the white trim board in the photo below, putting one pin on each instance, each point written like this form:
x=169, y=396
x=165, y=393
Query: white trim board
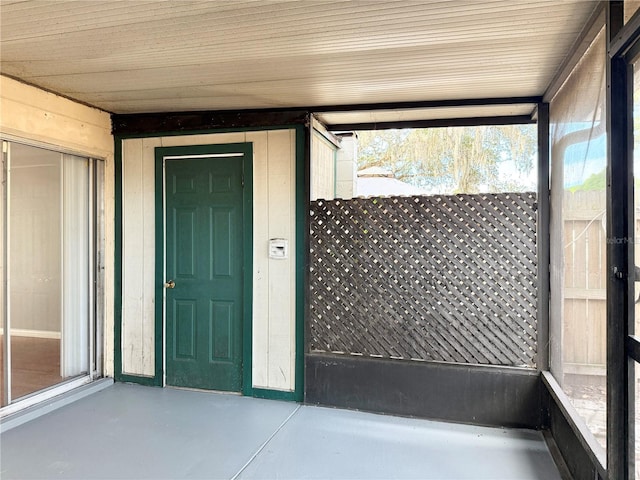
x=19, y=332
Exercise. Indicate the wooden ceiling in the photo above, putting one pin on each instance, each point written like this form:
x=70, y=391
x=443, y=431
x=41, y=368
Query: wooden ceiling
x=162, y=56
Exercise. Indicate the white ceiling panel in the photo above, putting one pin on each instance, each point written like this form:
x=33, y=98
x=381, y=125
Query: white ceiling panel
x=144, y=56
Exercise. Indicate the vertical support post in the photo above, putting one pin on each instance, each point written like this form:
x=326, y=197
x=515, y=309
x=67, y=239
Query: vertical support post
x=307, y=247
x=543, y=238
x=117, y=267
x=620, y=265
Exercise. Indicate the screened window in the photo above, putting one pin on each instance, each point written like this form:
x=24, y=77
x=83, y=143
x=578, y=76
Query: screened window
x=578, y=238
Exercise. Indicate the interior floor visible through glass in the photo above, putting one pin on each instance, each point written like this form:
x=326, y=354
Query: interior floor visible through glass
x=35, y=364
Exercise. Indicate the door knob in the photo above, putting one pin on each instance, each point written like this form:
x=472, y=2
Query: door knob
x=170, y=284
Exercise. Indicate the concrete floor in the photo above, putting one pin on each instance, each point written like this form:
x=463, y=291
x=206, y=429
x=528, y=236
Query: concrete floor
x=134, y=432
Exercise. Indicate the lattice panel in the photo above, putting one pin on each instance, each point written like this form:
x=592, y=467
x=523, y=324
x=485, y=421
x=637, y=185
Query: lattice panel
x=439, y=278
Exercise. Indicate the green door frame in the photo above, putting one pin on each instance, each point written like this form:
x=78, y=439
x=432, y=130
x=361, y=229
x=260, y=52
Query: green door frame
x=247, y=202
x=303, y=145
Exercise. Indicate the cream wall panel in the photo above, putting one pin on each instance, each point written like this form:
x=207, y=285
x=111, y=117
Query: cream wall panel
x=138, y=251
x=345, y=189
x=47, y=127
x=273, y=333
x=35, y=116
x=345, y=171
x=149, y=245
x=281, y=209
x=323, y=168
x=133, y=294
x=260, y=353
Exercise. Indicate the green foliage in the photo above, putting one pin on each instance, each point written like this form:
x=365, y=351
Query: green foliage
x=597, y=181
x=454, y=159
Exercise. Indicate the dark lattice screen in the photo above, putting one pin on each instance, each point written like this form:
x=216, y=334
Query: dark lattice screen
x=443, y=278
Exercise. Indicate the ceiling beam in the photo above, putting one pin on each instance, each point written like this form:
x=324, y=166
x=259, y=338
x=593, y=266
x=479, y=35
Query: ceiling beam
x=149, y=123
x=468, y=102
x=435, y=123
x=145, y=124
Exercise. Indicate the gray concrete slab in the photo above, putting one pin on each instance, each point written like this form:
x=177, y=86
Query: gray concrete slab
x=320, y=443
x=134, y=432
x=59, y=401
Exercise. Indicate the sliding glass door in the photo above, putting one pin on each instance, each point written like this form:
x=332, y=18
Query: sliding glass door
x=49, y=246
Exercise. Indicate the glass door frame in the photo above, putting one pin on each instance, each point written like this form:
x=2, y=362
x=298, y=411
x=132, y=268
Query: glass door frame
x=623, y=347
x=96, y=278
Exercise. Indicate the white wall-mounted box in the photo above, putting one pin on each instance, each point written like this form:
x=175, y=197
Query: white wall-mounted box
x=278, y=248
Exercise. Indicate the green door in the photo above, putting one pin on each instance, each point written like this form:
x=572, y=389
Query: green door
x=204, y=252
